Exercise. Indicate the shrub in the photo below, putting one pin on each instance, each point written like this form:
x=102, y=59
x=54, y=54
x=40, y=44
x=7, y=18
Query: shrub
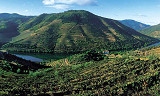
x=18, y=70
x=93, y=55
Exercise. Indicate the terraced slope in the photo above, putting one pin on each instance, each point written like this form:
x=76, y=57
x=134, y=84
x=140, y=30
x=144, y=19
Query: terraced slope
x=75, y=31
x=153, y=31
x=134, y=73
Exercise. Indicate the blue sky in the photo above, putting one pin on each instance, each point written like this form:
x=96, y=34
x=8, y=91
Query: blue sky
x=146, y=11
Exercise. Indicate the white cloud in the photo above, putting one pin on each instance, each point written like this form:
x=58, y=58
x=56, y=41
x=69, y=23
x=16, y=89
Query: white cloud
x=64, y=4
x=59, y=6
x=48, y=2
x=78, y=2
x=25, y=10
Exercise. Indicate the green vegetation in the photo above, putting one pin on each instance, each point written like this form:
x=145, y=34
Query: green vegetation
x=153, y=31
x=93, y=55
x=118, y=73
x=134, y=24
x=74, y=32
x=9, y=26
x=131, y=73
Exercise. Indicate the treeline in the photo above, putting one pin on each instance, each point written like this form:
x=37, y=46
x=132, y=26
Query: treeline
x=12, y=63
x=81, y=46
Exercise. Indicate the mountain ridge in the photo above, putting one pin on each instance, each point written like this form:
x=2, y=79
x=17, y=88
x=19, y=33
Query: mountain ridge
x=12, y=15
x=75, y=31
x=134, y=24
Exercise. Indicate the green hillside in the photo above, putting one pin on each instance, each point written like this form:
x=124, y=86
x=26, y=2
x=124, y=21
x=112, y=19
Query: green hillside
x=134, y=24
x=134, y=73
x=9, y=24
x=153, y=31
x=75, y=31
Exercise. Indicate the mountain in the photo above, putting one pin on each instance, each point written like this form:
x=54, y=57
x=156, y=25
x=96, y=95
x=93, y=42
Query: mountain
x=134, y=24
x=153, y=31
x=9, y=24
x=8, y=15
x=75, y=31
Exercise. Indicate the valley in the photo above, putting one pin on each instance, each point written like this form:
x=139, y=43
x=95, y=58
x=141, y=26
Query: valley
x=40, y=57
x=77, y=53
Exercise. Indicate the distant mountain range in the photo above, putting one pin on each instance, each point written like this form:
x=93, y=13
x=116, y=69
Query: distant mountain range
x=8, y=15
x=9, y=25
x=75, y=31
x=134, y=24
x=153, y=31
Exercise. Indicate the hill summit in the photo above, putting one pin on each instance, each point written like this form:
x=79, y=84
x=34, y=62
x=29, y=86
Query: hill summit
x=75, y=31
x=134, y=24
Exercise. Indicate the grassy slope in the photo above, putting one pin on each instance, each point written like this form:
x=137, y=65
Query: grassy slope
x=132, y=73
x=153, y=31
x=75, y=31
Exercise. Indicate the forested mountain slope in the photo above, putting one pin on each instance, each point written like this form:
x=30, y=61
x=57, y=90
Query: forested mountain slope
x=75, y=31
x=9, y=25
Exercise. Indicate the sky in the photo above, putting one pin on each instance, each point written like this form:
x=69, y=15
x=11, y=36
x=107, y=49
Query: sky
x=145, y=11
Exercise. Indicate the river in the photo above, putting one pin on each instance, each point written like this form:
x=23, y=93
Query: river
x=154, y=44
x=39, y=57
x=31, y=58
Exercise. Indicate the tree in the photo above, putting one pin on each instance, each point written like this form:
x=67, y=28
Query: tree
x=18, y=70
x=93, y=55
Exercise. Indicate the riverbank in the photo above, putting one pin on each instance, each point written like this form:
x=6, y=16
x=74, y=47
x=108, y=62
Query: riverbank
x=39, y=57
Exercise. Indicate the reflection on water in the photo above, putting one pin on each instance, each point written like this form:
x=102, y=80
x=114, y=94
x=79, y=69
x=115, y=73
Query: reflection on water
x=33, y=59
x=39, y=57
x=154, y=44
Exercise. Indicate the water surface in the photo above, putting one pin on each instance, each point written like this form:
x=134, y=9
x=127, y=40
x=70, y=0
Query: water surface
x=39, y=57
x=31, y=58
x=154, y=44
